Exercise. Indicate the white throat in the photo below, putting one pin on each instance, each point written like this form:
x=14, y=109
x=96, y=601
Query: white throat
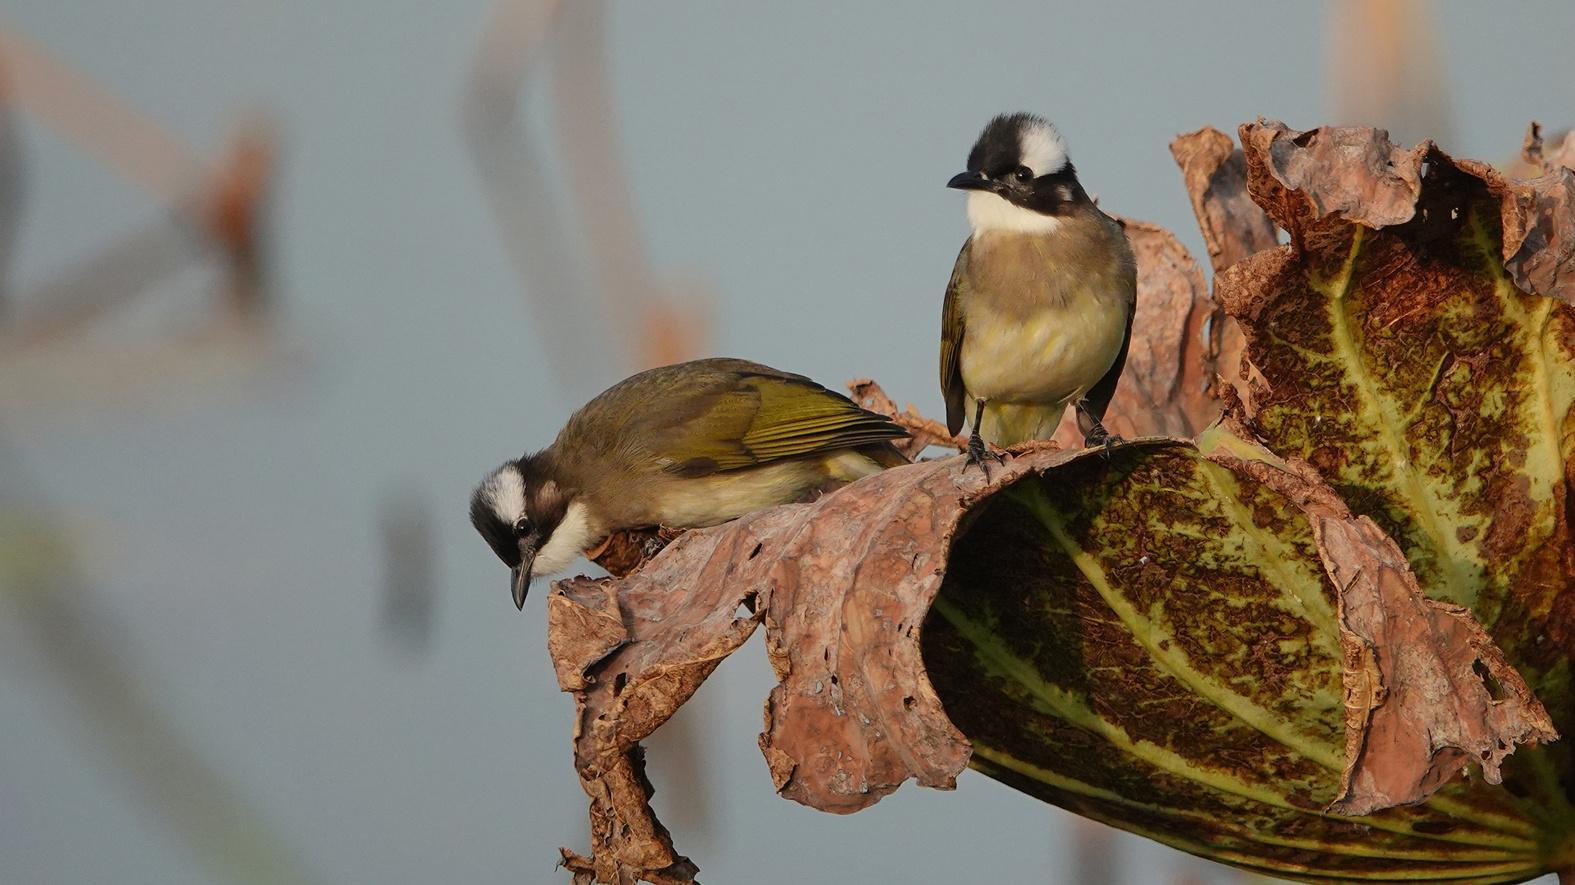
x=991, y=212
x=571, y=538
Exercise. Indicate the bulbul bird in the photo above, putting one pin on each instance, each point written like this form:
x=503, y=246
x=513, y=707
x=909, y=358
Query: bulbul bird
x=1038, y=313
x=688, y=445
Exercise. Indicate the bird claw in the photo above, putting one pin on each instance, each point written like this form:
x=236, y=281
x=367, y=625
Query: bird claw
x=1103, y=439
x=980, y=453
x=653, y=545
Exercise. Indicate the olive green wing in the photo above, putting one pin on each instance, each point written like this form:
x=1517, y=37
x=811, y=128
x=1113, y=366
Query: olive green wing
x=951, y=344
x=752, y=414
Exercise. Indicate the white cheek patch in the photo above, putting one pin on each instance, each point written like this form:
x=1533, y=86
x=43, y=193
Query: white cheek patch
x=1042, y=149
x=571, y=538
x=507, y=494
x=990, y=212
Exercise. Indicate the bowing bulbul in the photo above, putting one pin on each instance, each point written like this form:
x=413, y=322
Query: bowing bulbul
x=688, y=445
x=1038, y=313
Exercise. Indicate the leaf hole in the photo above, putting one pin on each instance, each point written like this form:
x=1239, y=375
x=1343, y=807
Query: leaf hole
x=833, y=679
x=755, y=552
x=746, y=606
x=1494, y=687
x=907, y=702
x=619, y=682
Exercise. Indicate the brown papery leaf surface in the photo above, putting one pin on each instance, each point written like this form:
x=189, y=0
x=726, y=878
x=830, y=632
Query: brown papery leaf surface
x=1356, y=174
x=842, y=585
x=1539, y=155
x=1214, y=171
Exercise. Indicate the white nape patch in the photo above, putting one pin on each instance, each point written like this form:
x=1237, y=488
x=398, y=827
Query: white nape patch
x=991, y=212
x=572, y=536
x=1041, y=148
x=506, y=492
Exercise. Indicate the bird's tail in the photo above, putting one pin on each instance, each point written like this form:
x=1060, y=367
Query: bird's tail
x=885, y=454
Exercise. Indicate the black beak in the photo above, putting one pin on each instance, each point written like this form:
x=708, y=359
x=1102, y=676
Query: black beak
x=971, y=181
x=519, y=582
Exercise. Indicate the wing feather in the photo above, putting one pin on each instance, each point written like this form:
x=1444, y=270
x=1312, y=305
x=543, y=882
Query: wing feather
x=756, y=415
x=951, y=344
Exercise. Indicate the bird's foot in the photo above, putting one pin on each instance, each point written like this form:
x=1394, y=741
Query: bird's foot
x=981, y=453
x=1103, y=438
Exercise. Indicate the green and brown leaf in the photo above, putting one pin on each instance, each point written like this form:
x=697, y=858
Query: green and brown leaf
x=1172, y=651
x=1430, y=390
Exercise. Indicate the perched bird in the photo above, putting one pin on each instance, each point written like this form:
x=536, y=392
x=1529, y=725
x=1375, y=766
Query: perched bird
x=688, y=445
x=1038, y=313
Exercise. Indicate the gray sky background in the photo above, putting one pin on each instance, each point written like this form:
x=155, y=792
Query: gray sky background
x=792, y=156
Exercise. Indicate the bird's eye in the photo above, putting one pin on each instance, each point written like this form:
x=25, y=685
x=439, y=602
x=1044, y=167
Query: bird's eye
x=522, y=526
x=1023, y=173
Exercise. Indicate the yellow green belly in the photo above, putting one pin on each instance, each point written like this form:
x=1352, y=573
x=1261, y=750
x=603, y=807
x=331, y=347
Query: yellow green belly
x=1007, y=423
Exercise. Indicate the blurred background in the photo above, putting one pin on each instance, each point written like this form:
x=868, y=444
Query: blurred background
x=279, y=281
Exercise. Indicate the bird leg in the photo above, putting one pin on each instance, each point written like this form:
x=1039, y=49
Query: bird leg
x=978, y=451
x=1094, y=432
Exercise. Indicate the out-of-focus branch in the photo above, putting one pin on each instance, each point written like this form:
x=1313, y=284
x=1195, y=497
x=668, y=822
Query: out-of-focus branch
x=231, y=209
x=614, y=291
x=519, y=193
x=222, y=201
x=130, y=144
x=114, y=278
x=585, y=125
x=11, y=185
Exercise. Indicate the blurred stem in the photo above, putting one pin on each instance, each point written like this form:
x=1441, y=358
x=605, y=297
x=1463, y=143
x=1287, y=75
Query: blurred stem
x=136, y=148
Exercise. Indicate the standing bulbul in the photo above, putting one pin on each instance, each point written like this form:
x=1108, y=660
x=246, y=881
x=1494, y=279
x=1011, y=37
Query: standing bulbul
x=687, y=445
x=1038, y=313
